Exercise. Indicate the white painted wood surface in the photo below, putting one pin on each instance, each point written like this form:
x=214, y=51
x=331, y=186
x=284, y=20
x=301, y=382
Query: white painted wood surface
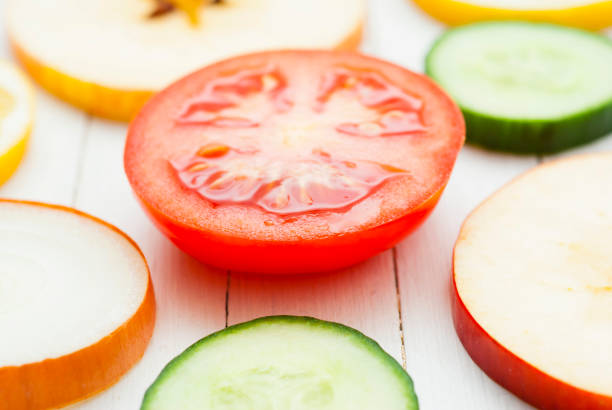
x=76, y=160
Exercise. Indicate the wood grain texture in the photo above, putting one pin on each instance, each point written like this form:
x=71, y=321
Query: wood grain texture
x=50, y=166
x=363, y=297
x=434, y=354
x=75, y=160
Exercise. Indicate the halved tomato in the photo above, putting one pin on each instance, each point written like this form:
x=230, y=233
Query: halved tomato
x=293, y=161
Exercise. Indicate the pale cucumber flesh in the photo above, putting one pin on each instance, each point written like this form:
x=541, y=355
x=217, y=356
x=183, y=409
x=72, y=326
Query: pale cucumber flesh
x=283, y=362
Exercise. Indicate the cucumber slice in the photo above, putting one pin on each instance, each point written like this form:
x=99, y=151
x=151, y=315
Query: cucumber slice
x=527, y=87
x=283, y=362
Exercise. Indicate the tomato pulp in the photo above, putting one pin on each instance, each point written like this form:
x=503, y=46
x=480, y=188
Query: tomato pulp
x=293, y=161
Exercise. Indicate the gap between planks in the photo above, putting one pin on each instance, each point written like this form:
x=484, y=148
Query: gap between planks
x=399, y=306
x=227, y=295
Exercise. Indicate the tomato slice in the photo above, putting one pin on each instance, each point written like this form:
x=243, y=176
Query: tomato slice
x=293, y=161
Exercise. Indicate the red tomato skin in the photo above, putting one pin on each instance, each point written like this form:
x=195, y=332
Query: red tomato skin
x=276, y=257
x=515, y=374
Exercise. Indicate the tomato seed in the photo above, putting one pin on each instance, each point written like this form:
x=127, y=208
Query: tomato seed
x=198, y=167
x=213, y=150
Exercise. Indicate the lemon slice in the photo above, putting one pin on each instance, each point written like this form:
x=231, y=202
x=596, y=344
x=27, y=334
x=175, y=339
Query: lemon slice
x=588, y=14
x=16, y=116
x=108, y=56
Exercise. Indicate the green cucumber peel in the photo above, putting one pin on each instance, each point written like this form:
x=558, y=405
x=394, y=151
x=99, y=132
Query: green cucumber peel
x=582, y=89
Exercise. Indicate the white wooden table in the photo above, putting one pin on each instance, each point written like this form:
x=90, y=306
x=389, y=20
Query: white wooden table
x=400, y=298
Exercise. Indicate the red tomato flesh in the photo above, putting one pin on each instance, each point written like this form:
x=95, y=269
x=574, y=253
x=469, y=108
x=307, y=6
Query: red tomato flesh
x=293, y=161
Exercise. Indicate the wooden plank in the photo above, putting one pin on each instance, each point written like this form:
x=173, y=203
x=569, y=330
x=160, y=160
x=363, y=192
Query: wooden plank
x=445, y=376
x=363, y=297
x=49, y=168
x=190, y=297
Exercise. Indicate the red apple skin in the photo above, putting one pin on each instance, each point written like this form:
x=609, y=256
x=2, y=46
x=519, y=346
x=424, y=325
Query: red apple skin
x=513, y=373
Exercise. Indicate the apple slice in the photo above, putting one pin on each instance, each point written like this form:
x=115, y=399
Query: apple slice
x=533, y=285
x=77, y=308
x=108, y=56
